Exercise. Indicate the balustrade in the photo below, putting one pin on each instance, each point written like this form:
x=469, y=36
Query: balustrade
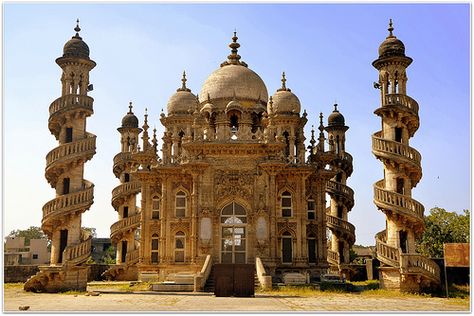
x=69, y=201
x=69, y=149
x=403, y=100
x=400, y=202
x=395, y=148
x=127, y=222
x=70, y=101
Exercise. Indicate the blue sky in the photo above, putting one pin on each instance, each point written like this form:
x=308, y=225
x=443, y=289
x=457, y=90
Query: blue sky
x=326, y=51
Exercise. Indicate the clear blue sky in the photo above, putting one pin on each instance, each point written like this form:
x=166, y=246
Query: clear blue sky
x=325, y=49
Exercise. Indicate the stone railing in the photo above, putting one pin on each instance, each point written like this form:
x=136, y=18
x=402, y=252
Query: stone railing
x=125, y=224
x=397, y=202
x=132, y=257
x=72, y=201
x=385, y=146
x=340, y=224
x=403, y=100
x=77, y=253
x=126, y=188
x=333, y=187
x=333, y=257
x=120, y=160
x=81, y=146
x=386, y=253
x=70, y=100
x=201, y=277
x=416, y=263
x=264, y=279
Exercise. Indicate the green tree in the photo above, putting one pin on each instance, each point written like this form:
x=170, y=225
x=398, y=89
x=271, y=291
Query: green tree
x=442, y=227
x=90, y=231
x=33, y=232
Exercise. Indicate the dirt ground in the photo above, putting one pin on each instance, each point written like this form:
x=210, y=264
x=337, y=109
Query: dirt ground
x=150, y=301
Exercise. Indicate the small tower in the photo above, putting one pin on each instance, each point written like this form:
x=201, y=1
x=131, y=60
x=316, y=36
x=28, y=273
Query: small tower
x=342, y=196
x=396, y=247
x=124, y=200
x=70, y=245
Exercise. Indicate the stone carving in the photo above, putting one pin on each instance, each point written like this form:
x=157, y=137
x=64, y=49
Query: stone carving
x=234, y=183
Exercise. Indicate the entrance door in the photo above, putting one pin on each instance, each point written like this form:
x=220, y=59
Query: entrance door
x=62, y=244
x=287, y=248
x=233, y=234
x=403, y=240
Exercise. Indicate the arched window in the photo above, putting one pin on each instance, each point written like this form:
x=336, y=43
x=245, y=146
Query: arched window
x=286, y=248
x=286, y=204
x=179, y=242
x=154, y=248
x=155, y=208
x=311, y=208
x=180, y=142
x=311, y=248
x=180, y=207
x=233, y=234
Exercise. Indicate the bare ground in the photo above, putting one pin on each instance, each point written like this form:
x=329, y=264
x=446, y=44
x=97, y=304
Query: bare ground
x=15, y=297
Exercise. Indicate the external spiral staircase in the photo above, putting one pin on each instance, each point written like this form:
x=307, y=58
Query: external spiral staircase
x=398, y=205
x=59, y=211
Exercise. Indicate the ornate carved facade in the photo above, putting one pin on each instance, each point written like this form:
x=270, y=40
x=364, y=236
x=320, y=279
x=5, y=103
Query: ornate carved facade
x=235, y=180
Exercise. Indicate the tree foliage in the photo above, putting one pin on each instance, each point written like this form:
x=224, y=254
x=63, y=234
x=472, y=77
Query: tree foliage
x=33, y=232
x=442, y=227
x=90, y=231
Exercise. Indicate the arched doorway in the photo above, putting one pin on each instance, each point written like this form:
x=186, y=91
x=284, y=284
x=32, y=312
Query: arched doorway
x=233, y=234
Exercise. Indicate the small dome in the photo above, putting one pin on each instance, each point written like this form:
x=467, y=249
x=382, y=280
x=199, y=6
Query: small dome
x=233, y=105
x=76, y=47
x=183, y=100
x=285, y=101
x=336, y=118
x=130, y=120
x=392, y=46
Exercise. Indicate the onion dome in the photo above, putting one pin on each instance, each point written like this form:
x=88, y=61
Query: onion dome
x=130, y=120
x=392, y=46
x=234, y=77
x=336, y=118
x=183, y=100
x=76, y=47
x=285, y=101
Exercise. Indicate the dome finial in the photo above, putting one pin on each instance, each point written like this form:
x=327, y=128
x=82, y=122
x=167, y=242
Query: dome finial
x=335, y=107
x=183, y=85
x=130, y=106
x=77, y=29
x=390, y=28
x=283, y=81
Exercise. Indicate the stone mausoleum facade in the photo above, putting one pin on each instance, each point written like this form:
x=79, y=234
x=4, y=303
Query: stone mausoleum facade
x=232, y=180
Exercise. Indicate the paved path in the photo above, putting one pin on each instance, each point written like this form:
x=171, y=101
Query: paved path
x=13, y=298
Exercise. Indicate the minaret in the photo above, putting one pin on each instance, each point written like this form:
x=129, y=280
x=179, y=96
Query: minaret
x=122, y=232
x=396, y=247
x=70, y=245
x=342, y=196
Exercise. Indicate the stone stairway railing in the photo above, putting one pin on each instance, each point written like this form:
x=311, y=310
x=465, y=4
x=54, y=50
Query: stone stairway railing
x=394, y=150
x=264, y=279
x=386, y=253
x=132, y=257
x=419, y=264
x=124, y=189
x=70, y=100
x=68, y=203
x=399, y=203
x=119, y=161
x=71, y=150
x=333, y=187
x=201, y=277
x=403, y=100
x=333, y=257
x=342, y=226
x=77, y=254
x=124, y=225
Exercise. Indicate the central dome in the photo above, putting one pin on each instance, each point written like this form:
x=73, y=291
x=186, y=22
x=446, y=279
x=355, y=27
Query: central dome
x=232, y=81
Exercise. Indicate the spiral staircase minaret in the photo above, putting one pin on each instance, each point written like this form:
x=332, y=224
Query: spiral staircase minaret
x=70, y=244
x=395, y=246
x=342, y=196
x=124, y=200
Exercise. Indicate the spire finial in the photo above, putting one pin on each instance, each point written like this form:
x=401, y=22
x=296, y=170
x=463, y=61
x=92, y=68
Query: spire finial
x=321, y=124
x=130, y=106
x=77, y=28
x=335, y=107
x=184, y=80
x=283, y=81
x=390, y=27
x=234, y=57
